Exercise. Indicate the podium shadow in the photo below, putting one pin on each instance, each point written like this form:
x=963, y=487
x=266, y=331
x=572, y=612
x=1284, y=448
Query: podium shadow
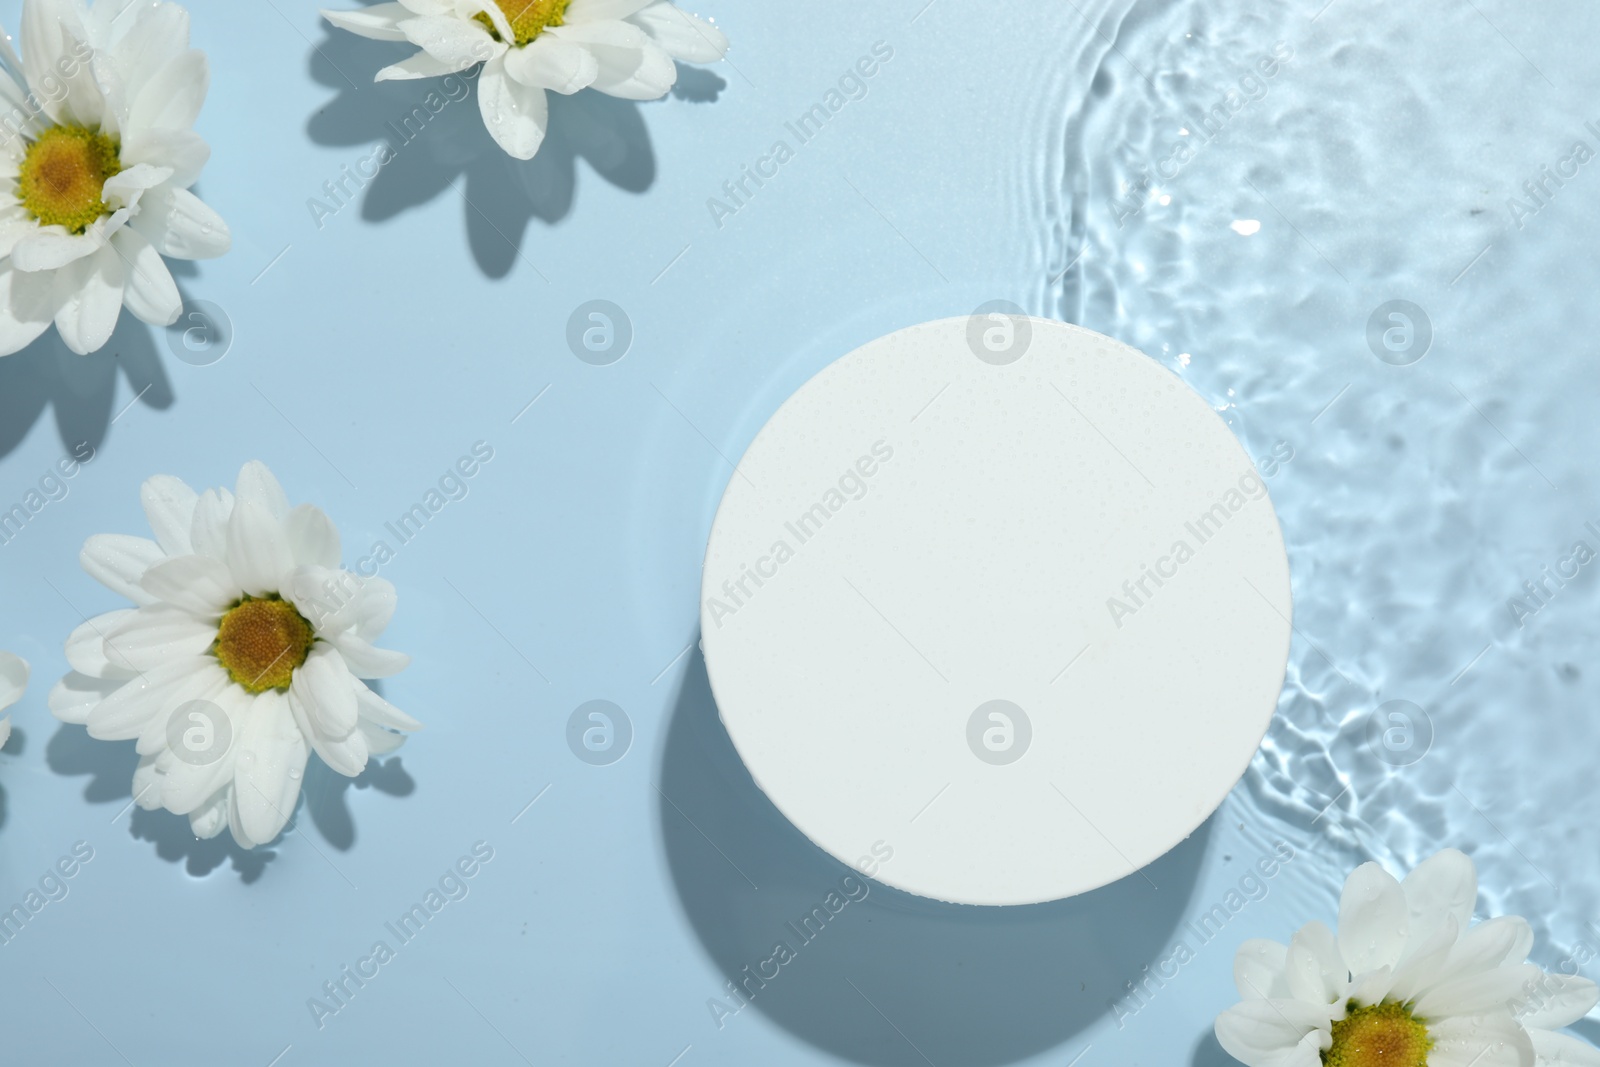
x=893, y=980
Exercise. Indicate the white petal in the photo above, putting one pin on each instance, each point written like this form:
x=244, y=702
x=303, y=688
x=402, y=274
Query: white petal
x=380, y=742
x=15, y=223
x=267, y=771
x=13, y=679
x=631, y=66
x=86, y=645
x=5, y=730
x=191, y=786
x=378, y=710
x=169, y=507
x=201, y=585
x=172, y=98
x=549, y=62
x=147, y=638
x=421, y=65
x=486, y=7
x=458, y=42
x=180, y=225
x=1558, y=1000
x=21, y=321
x=209, y=534
x=147, y=784
x=347, y=756
x=36, y=295
x=1373, y=919
x=122, y=715
x=129, y=184
x=26, y=120
x=1563, y=1050
x=119, y=562
x=159, y=33
x=51, y=32
x=258, y=551
x=380, y=22
x=150, y=294
x=1492, y=1040
x=53, y=247
x=1426, y=962
x=366, y=661
x=313, y=538
x=515, y=114
x=599, y=10
x=91, y=309
x=1474, y=993
x=325, y=596
x=1502, y=939
x=1258, y=969
x=1373, y=986
x=235, y=822
x=1273, y=1033
x=76, y=695
x=257, y=483
x=102, y=16
x=1443, y=884
x=324, y=688
x=105, y=93
x=211, y=818
x=1313, y=968
x=183, y=152
x=374, y=607
x=681, y=35
x=213, y=686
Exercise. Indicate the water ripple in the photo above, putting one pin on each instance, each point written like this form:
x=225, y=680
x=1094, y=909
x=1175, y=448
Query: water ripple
x=1243, y=195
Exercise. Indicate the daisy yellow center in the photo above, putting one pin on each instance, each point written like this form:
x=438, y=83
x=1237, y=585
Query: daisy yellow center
x=1378, y=1035
x=262, y=642
x=63, y=176
x=528, y=18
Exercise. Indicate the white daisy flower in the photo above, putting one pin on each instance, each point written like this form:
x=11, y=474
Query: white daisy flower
x=1406, y=982
x=96, y=160
x=625, y=48
x=243, y=653
x=13, y=680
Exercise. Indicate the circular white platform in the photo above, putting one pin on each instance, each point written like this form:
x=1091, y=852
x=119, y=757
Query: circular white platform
x=1002, y=598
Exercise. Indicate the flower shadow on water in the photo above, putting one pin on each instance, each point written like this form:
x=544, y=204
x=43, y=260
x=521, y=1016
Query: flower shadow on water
x=433, y=149
x=326, y=793
x=1208, y=1053
x=13, y=747
x=698, y=85
x=110, y=766
x=81, y=390
x=966, y=986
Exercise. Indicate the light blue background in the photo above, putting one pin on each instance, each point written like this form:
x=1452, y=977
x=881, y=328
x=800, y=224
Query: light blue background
x=372, y=351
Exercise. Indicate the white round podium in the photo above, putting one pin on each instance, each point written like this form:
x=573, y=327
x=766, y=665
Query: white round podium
x=997, y=609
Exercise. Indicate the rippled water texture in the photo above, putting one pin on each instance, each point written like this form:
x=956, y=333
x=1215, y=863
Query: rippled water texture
x=1239, y=196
